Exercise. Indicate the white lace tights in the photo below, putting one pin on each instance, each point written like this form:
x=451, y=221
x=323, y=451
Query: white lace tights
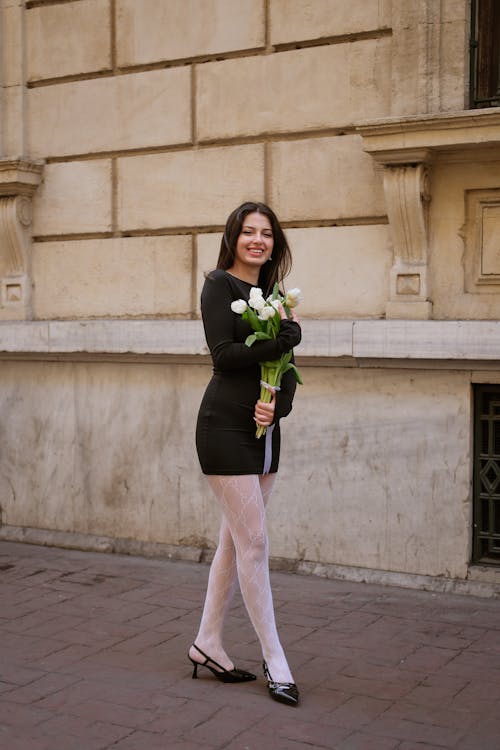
x=242, y=555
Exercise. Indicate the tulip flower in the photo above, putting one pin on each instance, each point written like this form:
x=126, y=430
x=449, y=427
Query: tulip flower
x=239, y=306
x=266, y=325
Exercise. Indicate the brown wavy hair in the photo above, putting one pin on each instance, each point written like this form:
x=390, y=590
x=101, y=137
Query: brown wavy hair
x=275, y=270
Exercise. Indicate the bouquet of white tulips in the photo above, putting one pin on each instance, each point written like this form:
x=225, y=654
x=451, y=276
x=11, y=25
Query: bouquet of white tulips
x=265, y=320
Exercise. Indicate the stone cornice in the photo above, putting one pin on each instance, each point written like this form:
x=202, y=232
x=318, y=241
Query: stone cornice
x=396, y=138
x=19, y=176
x=324, y=341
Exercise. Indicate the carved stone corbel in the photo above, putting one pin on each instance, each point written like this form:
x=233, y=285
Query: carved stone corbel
x=18, y=181
x=407, y=195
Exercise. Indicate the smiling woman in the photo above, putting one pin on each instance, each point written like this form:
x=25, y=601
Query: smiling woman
x=253, y=248
x=254, y=252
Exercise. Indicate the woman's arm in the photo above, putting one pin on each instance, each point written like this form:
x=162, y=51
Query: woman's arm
x=284, y=397
x=218, y=321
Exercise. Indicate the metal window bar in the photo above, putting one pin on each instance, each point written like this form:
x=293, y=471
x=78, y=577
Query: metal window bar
x=484, y=61
x=486, y=486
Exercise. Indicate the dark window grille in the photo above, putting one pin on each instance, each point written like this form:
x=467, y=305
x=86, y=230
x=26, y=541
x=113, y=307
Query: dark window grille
x=485, y=53
x=486, y=546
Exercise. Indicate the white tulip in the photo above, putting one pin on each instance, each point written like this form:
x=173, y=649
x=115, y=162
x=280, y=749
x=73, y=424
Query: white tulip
x=239, y=306
x=267, y=312
x=256, y=300
x=274, y=302
x=293, y=297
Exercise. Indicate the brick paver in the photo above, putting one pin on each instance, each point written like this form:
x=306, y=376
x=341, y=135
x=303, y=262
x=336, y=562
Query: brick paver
x=93, y=657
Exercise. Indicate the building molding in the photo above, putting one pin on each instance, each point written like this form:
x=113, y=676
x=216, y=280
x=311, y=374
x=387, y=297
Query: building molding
x=325, y=342
x=405, y=148
x=19, y=179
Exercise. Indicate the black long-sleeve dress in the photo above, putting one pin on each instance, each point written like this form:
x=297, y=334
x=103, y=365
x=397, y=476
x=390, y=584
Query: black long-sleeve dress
x=225, y=430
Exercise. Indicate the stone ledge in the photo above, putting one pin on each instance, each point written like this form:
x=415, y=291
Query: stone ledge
x=471, y=340
x=485, y=586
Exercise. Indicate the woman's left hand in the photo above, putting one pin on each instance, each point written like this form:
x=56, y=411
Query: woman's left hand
x=264, y=413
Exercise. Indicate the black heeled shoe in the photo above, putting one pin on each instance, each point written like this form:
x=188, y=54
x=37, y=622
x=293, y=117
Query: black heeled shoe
x=224, y=675
x=284, y=692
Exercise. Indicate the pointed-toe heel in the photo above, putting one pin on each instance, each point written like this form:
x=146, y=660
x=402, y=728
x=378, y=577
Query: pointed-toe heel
x=224, y=675
x=283, y=692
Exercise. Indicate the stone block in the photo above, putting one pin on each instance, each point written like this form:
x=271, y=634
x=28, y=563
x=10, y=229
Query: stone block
x=325, y=178
x=132, y=276
x=208, y=246
x=188, y=188
x=150, y=31
x=321, y=87
x=116, y=336
x=296, y=20
x=121, y=112
x=358, y=260
x=21, y=336
x=429, y=57
x=68, y=39
x=73, y=197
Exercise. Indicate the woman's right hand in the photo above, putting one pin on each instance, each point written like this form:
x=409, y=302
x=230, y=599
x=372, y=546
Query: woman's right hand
x=289, y=335
x=284, y=316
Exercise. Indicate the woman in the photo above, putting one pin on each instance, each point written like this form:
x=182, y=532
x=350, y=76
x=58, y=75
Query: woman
x=254, y=252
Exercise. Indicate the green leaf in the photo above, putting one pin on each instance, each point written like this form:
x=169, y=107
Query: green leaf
x=276, y=292
x=257, y=336
x=297, y=374
x=262, y=336
x=252, y=318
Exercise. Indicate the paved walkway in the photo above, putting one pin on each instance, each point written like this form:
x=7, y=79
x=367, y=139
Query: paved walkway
x=93, y=657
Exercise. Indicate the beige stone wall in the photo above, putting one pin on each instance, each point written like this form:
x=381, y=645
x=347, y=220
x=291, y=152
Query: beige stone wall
x=374, y=483
x=156, y=119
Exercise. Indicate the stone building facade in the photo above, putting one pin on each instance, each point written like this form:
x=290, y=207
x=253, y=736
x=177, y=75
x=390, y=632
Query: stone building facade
x=129, y=131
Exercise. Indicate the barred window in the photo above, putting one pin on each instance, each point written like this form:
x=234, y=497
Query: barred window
x=485, y=53
x=486, y=543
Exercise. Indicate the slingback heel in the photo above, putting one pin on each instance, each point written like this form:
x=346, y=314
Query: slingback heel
x=224, y=675
x=284, y=692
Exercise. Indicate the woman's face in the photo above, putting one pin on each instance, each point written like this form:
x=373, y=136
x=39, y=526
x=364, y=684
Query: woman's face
x=255, y=242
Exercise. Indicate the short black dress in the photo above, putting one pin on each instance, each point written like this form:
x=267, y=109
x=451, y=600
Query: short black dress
x=225, y=430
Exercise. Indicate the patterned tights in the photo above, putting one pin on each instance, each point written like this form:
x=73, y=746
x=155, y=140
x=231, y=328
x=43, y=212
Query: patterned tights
x=242, y=556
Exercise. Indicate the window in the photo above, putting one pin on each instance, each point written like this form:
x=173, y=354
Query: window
x=486, y=541
x=485, y=53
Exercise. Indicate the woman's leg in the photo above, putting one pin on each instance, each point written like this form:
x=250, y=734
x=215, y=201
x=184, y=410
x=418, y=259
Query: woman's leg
x=242, y=502
x=222, y=583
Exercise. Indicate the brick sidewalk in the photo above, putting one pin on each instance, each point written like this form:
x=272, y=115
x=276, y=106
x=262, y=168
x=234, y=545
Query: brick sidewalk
x=93, y=656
